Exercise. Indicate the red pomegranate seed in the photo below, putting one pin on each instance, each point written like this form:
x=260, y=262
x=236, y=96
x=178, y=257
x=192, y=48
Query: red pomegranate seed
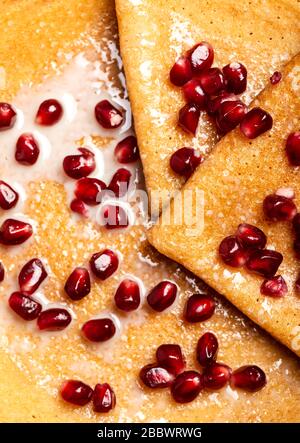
x=274, y=287
x=275, y=77
x=212, y=81
x=181, y=71
x=264, y=262
x=155, y=377
x=49, y=113
x=8, y=196
x=251, y=378
x=230, y=114
x=54, y=319
x=2, y=272
x=236, y=77
x=232, y=252
x=24, y=306
x=216, y=376
x=99, y=329
x=185, y=161
x=207, y=349
x=193, y=93
x=104, y=264
x=107, y=115
x=186, y=386
x=162, y=296
x=127, y=150
x=31, y=276
x=250, y=236
x=104, y=398
x=189, y=118
x=127, y=296
x=213, y=104
x=89, y=190
x=81, y=165
x=7, y=116
x=296, y=224
x=114, y=217
x=14, y=232
x=201, y=56
x=171, y=358
x=293, y=148
x=76, y=392
x=199, y=307
x=79, y=207
x=78, y=284
x=279, y=208
x=119, y=183
x=256, y=122
x=27, y=150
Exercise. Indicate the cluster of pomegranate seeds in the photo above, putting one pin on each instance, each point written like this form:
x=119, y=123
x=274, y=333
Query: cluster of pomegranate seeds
x=8, y=196
x=7, y=116
x=104, y=264
x=99, y=329
x=54, y=319
x=27, y=150
x=80, y=165
x=80, y=394
x=127, y=150
x=2, y=272
x=31, y=276
x=49, y=112
x=107, y=115
x=162, y=296
x=247, y=248
x=199, y=307
x=25, y=306
x=120, y=182
x=127, y=296
x=275, y=77
x=293, y=148
x=184, y=161
x=14, y=232
x=78, y=284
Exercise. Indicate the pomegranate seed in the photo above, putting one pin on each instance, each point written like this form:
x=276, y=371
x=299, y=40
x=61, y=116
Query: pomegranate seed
x=78, y=166
x=230, y=114
x=31, y=276
x=212, y=81
x=27, y=150
x=274, y=287
x=275, y=77
x=236, y=77
x=78, y=284
x=186, y=386
x=232, y=252
x=256, y=122
x=189, y=118
x=54, y=319
x=114, y=217
x=199, y=307
x=251, y=378
x=213, y=104
x=104, y=264
x=76, y=392
x=216, y=376
x=181, y=71
x=171, y=358
x=127, y=150
x=79, y=207
x=279, y=208
x=250, y=236
x=264, y=262
x=155, y=376
x=49, y=113
x=107, y=115
x=99, y=330
x=7, y=116
x=185, y=161
x=120, y=182
x=296, y=224
x=193, y=93
x=201, y=56
x=207, y=349
x=2, y=272
x=104, y=398
x=24, y=306
x=293, y=148
x=89, y=190
x=162, y=296
x=127, y=296
x=8, y=196
x=14, y=232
